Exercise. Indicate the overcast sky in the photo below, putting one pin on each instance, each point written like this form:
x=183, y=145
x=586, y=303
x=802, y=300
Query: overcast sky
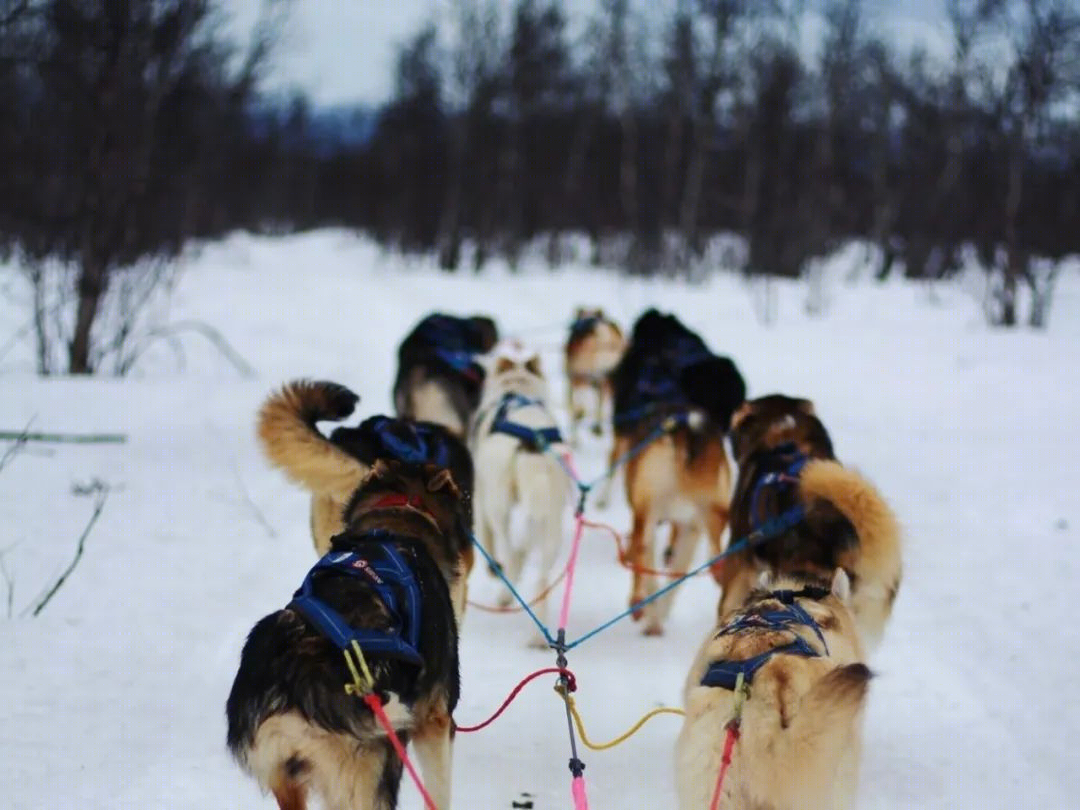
x=342, y=51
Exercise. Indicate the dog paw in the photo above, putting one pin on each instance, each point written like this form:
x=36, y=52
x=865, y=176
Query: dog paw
x=538, y=642
x=652, y=628
x=339, y=400
x=505, y=599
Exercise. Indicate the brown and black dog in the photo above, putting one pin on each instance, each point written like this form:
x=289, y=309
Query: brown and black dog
x=331, y=467
x=786, y=460
x=593, y=349
x=388, y=581
x=673, y=401
x=439, y=379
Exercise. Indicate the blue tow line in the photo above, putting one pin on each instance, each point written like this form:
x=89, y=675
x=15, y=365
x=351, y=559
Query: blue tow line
x=769, y=529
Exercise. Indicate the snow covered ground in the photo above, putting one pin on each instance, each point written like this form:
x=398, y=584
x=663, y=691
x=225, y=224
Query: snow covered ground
x=113, y=697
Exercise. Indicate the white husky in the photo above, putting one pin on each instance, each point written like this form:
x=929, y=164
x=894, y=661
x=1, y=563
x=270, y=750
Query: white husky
x=512, y=470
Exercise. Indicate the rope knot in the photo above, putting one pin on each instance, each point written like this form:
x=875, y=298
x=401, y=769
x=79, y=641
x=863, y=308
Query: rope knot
x=583, y=494
x=577, y=767
x=567, y=683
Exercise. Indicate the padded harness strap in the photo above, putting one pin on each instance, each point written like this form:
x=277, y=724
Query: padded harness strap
x=382, y=568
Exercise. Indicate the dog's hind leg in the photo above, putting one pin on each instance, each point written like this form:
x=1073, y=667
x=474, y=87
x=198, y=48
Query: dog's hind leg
x=642, y=554
x=434, y=751
x=290, y=794
x=502, y=549
x=389, y=779
x=598, y=387
x=619, y=446
x=484, y=535
x=573, y=412
x=684, y=542
x=716, y=520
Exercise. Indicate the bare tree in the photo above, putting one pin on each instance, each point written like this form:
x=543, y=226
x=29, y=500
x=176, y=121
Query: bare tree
x=474, y=63
x=714, y=76
x=1045, y=37
x=123, y=92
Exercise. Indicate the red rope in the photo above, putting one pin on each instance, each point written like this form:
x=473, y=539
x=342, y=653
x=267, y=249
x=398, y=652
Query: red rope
x=571, y=684
x=517, y=608
x=373, y=701
x=624, y=555
x=725, y=761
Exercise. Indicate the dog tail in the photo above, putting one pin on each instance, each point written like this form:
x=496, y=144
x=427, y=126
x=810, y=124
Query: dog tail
x=877, y=566
x=287, y=431
x=857, y=500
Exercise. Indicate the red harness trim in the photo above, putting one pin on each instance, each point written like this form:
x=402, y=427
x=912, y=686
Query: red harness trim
x=396, y=500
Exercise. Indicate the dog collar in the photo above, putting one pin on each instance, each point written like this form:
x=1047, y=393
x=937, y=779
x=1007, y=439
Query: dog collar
x=398, y=500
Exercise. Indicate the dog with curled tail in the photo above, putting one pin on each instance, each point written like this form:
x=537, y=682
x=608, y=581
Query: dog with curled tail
x=386, y=585
x=794, y=649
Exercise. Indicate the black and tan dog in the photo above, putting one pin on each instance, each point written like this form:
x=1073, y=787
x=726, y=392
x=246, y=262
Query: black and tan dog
x=438, y=378
x=669, y=379
x=387, y=583
x=593, y=349
x=786, y=462
x=331, y=468
x=794, y=648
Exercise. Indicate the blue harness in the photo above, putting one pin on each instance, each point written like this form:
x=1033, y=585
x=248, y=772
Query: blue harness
x=381, y=567
x=787, y=477
x=582, y=326
x=725, y=673
x=534, y=439
x=421, y=445
x=449, y=340
x=657, y=383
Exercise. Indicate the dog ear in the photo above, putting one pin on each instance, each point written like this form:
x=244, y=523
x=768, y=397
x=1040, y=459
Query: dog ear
x=741, y=413
x=443, y=480
x=841, y=586
x=807, y=407
x=532, y=365
x=503, y=365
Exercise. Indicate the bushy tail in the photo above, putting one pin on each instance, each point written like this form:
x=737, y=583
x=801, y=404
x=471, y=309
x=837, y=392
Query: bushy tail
x=291, y=441
x=858, y=501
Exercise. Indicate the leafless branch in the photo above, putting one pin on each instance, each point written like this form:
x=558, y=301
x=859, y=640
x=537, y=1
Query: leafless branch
x=256, y=512
x=102, y=495
x=9, y=580
x=17, y=444
x=13, y=13
x=64, y=438
x=169, y=331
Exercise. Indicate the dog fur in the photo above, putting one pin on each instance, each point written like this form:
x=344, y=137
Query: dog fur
x=332, y=468
x=593, y=349
x=427, y=389
x=683, y=477
x=800, y=733
x=291, y=724
x=510, y=474
x=847, y=524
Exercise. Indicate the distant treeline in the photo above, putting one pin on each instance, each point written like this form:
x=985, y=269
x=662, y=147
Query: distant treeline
x=127, y=127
